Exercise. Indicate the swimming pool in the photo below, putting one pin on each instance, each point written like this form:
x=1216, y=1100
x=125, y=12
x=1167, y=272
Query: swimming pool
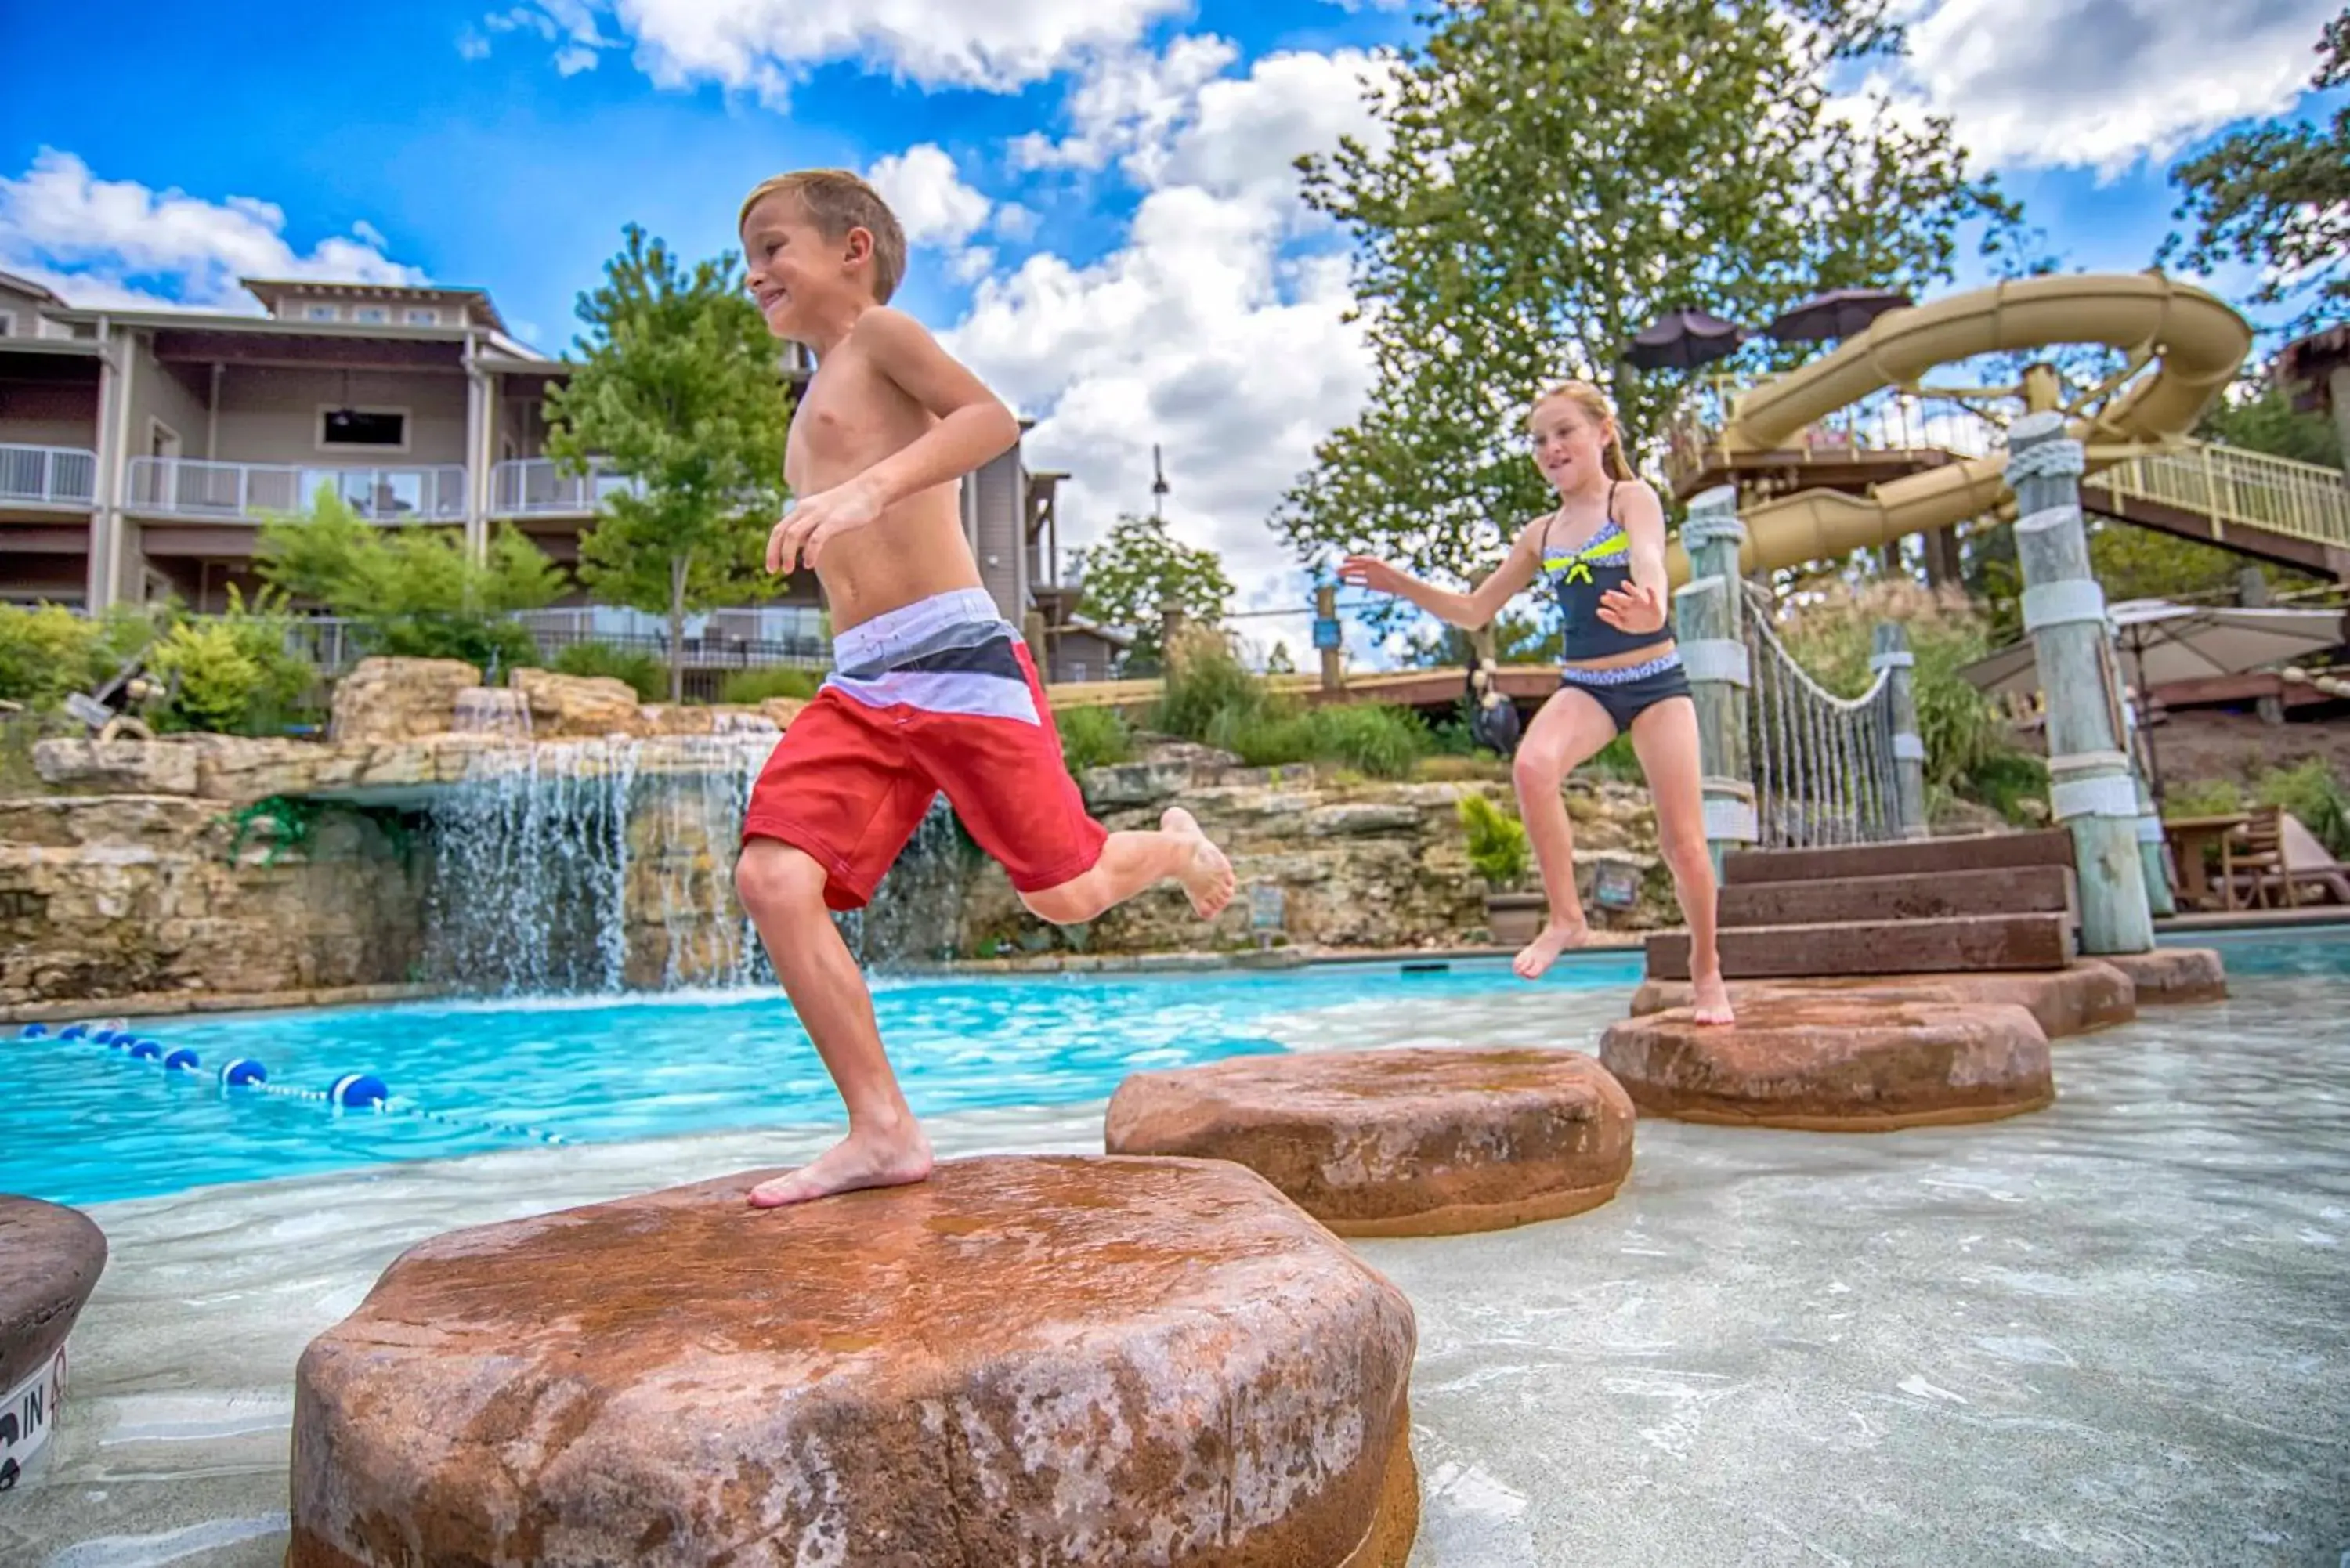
x=84, y=1123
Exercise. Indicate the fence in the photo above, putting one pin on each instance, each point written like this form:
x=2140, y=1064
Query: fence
x=2232, y=486
x=1824, y=766
x=333, y=645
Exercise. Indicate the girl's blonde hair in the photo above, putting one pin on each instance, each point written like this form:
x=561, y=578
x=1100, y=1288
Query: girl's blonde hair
x=1595, y=405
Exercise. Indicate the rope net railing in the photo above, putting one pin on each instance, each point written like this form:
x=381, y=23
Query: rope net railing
x=1824, y=765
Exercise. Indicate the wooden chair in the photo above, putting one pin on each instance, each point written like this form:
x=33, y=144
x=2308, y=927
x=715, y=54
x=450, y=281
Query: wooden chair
x=2308, y=866
x=2258, y=857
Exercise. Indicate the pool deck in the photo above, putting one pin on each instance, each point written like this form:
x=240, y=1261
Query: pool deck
x=2110, y=1332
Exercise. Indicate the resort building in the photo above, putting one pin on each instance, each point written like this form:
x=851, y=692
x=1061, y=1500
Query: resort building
x=141, y=450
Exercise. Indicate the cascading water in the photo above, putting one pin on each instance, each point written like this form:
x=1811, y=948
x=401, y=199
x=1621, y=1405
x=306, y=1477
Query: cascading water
x=568, y=866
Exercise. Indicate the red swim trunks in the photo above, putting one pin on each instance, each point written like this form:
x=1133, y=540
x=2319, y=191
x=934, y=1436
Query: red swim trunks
x=938, y=695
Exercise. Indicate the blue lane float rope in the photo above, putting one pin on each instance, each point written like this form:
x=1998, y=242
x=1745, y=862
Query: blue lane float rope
x=352, y=1091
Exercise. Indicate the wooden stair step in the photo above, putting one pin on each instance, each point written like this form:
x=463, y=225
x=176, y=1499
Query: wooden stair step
x=1961, y=944
x=1907, y=856
x=1909, y=896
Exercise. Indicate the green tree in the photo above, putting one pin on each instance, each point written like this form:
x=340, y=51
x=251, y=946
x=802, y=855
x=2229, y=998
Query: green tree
x=1129, y=576
x=1557, y=173
x=2266, y=420
x=414, y=592
x=2277, y=196
x=681, y=388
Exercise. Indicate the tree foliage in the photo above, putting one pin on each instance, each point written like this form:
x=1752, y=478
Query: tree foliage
x=2277, y=196
x=681, y=388
x=1140, y=569
x=414, y=592
x=1557, y=173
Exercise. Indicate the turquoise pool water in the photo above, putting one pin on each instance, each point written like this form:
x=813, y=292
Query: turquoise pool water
x=84, y=1123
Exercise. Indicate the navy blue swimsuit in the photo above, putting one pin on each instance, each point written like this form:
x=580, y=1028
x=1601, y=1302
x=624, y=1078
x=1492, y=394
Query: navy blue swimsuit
x=1580, y=577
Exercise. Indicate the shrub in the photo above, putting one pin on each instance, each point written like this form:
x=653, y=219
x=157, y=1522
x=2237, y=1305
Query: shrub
x=1498, y=847
x=47, y=652
x=2203, y=797
x=638, y=668
x=1212, y=697
x=1094, y=737
x=749, y=688
x=1385, y=743
x=1207, y=685
x=230, y=674
x=2311, y=793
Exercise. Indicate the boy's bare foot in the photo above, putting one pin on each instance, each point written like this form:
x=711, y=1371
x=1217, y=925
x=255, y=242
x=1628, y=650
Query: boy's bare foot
x=1208, y=875
x=1709, y=1002
x=856, y=1162
x=1533, y=959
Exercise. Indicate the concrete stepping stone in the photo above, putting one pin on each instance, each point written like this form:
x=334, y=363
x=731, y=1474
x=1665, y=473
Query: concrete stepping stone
x=2090, y=994
x=50, y=1258
x=1020, y=1361
x=2170, y=976
x=1834, y=1063
x=1399, y=1142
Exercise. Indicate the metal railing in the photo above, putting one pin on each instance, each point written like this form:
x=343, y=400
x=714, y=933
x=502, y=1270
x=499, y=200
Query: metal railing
x=535, y=487
x=2238, y=488
x=250, y=492
x=332, y=644
x=48, y=476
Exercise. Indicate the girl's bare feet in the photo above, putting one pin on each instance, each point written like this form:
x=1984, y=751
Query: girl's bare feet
x=1536, y=958
x=1709, y=1002
x=1207, y=875
x=861, y=1160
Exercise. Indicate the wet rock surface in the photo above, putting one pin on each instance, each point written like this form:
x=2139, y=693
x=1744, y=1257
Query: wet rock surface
x=2091, y=994
x=1836, y=1063
x=1397, y=1142
x=1023, y=1360
x=2168, y=976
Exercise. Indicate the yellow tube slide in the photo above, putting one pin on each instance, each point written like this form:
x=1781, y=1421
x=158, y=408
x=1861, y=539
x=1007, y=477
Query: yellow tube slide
x=2197, y=340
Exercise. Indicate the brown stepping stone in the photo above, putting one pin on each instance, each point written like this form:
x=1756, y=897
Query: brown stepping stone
x=1397, y=1142
x=2091, y=994
x=1020, y=1361
x=2167, y=976
x=50, y=1258
x=1836, y=1063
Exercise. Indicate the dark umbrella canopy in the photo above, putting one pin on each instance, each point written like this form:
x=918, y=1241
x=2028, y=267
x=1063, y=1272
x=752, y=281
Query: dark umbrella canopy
x=1683, y=341
x=1839, y=313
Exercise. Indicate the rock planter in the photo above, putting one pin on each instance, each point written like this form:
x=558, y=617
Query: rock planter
x=50, y=1258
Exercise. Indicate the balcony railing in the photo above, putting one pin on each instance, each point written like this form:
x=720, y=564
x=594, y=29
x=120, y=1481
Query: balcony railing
x=535, y=487
x=48, y=475
x=717, y=643
x=2236, y=488
x=249, y=492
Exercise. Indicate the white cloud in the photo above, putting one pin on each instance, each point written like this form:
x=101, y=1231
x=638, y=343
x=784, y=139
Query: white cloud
x=119, y=243
x=573, y=58
x=932, y=204
x=2104, y=83
x=1127, y=102
x=762, y=47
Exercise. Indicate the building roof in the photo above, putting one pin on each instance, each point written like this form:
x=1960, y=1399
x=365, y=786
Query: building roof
x=41, y=292
x=476, y=301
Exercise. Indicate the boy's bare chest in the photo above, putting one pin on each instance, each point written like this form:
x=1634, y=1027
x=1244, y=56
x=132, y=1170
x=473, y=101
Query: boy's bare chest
x=848, y=420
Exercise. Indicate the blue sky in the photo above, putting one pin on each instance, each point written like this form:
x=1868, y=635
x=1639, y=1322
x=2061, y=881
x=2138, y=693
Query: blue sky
x=1108, y=224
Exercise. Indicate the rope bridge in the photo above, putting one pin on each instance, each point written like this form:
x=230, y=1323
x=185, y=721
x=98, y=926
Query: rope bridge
x=1824, y=766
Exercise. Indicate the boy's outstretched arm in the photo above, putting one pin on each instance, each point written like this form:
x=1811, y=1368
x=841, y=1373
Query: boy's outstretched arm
x=974, y=428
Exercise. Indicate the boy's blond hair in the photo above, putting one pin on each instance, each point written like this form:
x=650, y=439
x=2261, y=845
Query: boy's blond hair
x=835, y=202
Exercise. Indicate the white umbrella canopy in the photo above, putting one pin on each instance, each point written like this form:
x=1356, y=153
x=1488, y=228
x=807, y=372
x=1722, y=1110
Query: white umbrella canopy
x=2160, y=642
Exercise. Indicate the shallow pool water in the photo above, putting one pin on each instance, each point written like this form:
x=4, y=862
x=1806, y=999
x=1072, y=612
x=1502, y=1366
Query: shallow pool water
x=84, y=1123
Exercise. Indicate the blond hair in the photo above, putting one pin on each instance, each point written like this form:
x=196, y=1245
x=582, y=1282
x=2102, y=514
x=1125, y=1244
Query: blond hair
x=1596, y=406
x=835, y=201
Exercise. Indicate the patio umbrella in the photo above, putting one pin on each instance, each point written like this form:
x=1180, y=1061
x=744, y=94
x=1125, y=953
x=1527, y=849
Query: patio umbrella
x=2162, y=642
x=1839, y=313
x=1682, y=340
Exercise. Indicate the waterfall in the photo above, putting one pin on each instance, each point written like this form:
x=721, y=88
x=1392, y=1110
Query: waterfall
x=578, y=867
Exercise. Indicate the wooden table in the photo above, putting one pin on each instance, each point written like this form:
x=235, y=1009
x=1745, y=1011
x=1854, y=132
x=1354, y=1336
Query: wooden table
x=2190, y=836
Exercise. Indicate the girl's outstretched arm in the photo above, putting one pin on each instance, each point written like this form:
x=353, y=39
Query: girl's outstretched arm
x=1469, y=610
x=1640, y=604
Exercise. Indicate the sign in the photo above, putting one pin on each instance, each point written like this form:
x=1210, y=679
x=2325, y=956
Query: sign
x=1265, y=907
x=27, y=1412
x=1614, y=887
x=1327, y=634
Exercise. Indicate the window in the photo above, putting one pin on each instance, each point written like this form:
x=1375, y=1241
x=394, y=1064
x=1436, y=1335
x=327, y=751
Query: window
x=424, y=317
x=7, y=324
x=322, y=313
x=380, y=430
x=370, y=315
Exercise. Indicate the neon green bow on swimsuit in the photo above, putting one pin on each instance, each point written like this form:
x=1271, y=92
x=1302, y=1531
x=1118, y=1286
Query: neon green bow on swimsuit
x=1577, y=564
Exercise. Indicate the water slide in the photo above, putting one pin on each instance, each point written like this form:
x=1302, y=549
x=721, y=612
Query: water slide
x=2194, y=342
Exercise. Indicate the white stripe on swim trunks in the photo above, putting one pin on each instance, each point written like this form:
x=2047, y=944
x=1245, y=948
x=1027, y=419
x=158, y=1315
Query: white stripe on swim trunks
x=969, y=692
x=892, y=634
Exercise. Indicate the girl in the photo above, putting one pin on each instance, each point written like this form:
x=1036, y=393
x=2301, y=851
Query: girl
x=1604, y=552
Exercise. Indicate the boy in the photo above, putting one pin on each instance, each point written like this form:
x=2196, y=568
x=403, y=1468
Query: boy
x=931, y=689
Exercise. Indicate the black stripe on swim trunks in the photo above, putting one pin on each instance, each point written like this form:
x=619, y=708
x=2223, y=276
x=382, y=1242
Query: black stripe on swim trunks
x=993, y=657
